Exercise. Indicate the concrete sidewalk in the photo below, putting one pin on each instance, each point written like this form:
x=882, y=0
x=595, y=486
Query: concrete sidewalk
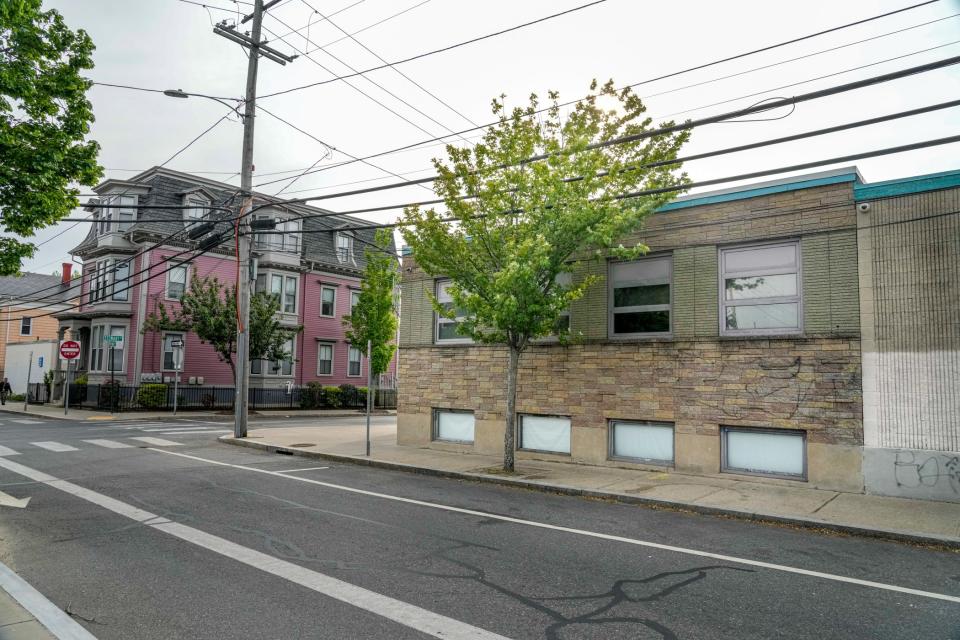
x=16, y=623
x=56, y=412
x=783, y=502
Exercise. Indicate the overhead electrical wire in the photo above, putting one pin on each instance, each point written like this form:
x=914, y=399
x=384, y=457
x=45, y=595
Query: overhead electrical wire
x=585, y=6
x=441, y=50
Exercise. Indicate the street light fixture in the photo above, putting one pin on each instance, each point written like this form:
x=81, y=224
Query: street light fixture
x=180, y=93
x=176, y=93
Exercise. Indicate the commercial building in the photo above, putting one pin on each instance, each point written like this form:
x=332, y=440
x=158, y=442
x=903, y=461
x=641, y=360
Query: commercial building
x=767, y=334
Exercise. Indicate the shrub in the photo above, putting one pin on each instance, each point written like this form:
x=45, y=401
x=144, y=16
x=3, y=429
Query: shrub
x=48, y=377
x=332, y=397
x=312, y=396
x=15, y=397
x=81, y=379
x=208, y=400
x=152, y=396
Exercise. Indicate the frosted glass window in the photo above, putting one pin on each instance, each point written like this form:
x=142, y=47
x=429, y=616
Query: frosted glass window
x=455, y=426
x=545, y=433
x=648, y=441
x=764, y=452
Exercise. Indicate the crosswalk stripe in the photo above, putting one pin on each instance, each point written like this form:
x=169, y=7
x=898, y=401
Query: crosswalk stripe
x=4, y=451
x=59, y=447
x=27, y=421
x=109, y=444
x=194, y=433
x=171, y=428
x=157, y=442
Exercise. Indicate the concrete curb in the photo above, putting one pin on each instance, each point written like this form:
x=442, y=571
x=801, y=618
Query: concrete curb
x=653, y=503
x=79, y=415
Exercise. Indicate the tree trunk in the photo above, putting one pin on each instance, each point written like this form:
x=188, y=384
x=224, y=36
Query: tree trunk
x=509, y=433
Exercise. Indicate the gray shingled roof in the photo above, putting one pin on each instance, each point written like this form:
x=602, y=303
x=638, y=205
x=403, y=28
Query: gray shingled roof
x=167, y=187
x=33, y=285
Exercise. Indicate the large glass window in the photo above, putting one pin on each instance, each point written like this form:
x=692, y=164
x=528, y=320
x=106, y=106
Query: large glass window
x=545, y=433
x=324, y=359
x=353, y=362
x=640, y=297
x=760, y=289
x=446, y=329
x=328, y=301
x=176, y=282
x=121, y=280
x=453, y=426
x=102, y=358
x=110, y=279
x=282, y=286
x=764, y=452
x=642, y=441
x=285, y=236
x=96, y=348
x=290, y=294
x=118, y=215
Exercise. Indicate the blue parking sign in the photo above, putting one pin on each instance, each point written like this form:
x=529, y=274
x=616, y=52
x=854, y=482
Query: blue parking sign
x=40, y=362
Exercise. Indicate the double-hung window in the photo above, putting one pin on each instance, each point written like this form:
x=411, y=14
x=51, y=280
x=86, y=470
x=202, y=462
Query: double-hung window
x=110, y=279
x=344, y=247
x=446, y=328
x=102, y=357
x=325, y=359
x=96, y=348
x=354, y=356
x=285, y=236
x=760, y=289
x=176, y=282
x=169, y=355
x=641, y=297
x=290, y=294
x=290, y=240
x=195, y=212
x=282, y=286
x=328, y=301
x=354, y=299
x=121, y=280
x=26, y=326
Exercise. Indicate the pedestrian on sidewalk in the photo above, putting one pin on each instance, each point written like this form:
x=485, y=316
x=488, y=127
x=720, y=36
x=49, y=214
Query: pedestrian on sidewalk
x=5, y=390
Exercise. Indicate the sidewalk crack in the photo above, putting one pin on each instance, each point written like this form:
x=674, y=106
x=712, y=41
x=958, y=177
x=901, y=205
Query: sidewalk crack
x=835, y=496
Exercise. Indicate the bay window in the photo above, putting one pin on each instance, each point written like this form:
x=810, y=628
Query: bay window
x=118, y=214
x=280, y=367
x=283, y=286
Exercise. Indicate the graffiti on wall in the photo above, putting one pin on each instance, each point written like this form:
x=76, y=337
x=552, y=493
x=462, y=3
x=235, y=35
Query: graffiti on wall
x=925, y=470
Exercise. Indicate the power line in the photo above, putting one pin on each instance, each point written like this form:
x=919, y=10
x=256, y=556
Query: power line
x=378, y=22
x=657, y=78
x=692, y=124
x=310, y=21
x=443, y=49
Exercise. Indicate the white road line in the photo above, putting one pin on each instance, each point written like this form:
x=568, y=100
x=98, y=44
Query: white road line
x=403, y=613
x=59, y=447
x=110, y=444
x=307, y=469
x=28, y=421
x=158, y=442
x=161, y=429
x=57, y=622
x=4, y=451
x=195, y=433
x=581, y=532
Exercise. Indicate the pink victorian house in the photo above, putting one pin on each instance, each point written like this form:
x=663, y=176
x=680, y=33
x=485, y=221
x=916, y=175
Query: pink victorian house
x=313, y=268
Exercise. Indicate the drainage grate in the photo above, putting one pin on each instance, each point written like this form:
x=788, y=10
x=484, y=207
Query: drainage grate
x=303, y=444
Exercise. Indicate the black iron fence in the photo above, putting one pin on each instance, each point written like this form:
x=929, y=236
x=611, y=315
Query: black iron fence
x=160, y=397
x=38, y=393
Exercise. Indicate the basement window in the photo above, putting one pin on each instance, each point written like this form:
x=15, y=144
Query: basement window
x=550, y=434
x=778, y=453
x=641, y=441
x=452, y=425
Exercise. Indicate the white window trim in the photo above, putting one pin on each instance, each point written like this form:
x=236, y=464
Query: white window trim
x=331, y=288
x=640, y=308
x=186, y=282
x=29, y=326
x=268, y=241
x=438, y=320
x=163, y=351
x=266, y=370
x=106, y=350
x=195, y=201
x=114, y=225
x=268, y=279
x=724, y=303
x=333, y=357
x=350, y=349
x=106, y=267
x=350, y=257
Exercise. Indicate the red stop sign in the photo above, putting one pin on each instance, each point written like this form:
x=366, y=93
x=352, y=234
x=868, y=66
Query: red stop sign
x=69, y=349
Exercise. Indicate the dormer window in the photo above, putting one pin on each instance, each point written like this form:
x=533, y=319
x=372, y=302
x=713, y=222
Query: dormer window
x=344, y=247
x=118, y=213
x=196, y=209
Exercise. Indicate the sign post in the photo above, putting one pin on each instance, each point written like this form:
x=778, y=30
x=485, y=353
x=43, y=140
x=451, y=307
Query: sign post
x=177, y=345
x=369, y=394
x=113, y=341
x=69, y=351
x=26, y=396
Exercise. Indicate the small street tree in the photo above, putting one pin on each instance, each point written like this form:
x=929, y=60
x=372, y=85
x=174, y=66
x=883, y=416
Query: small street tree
x=209, y=310
x=374, y=317
x=44, y=117
x=514, y=227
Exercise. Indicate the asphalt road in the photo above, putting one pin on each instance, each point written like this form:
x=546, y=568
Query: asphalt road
x=174, y=535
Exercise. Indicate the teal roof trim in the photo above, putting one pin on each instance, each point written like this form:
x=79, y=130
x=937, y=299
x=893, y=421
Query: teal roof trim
x=759, y=191
x=906, y=186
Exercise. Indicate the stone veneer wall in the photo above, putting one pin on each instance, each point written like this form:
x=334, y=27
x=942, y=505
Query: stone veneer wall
x=810, y=384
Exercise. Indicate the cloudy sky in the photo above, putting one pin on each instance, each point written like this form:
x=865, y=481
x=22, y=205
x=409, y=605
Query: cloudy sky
x=163, y=44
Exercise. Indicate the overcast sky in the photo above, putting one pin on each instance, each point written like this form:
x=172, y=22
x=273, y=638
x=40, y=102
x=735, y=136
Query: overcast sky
x=169, y=44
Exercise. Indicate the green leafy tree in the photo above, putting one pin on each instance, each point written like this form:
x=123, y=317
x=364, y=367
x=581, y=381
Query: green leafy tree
x=374, y=317
x=44, y=118
x=209, y=310
x=514, y=227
